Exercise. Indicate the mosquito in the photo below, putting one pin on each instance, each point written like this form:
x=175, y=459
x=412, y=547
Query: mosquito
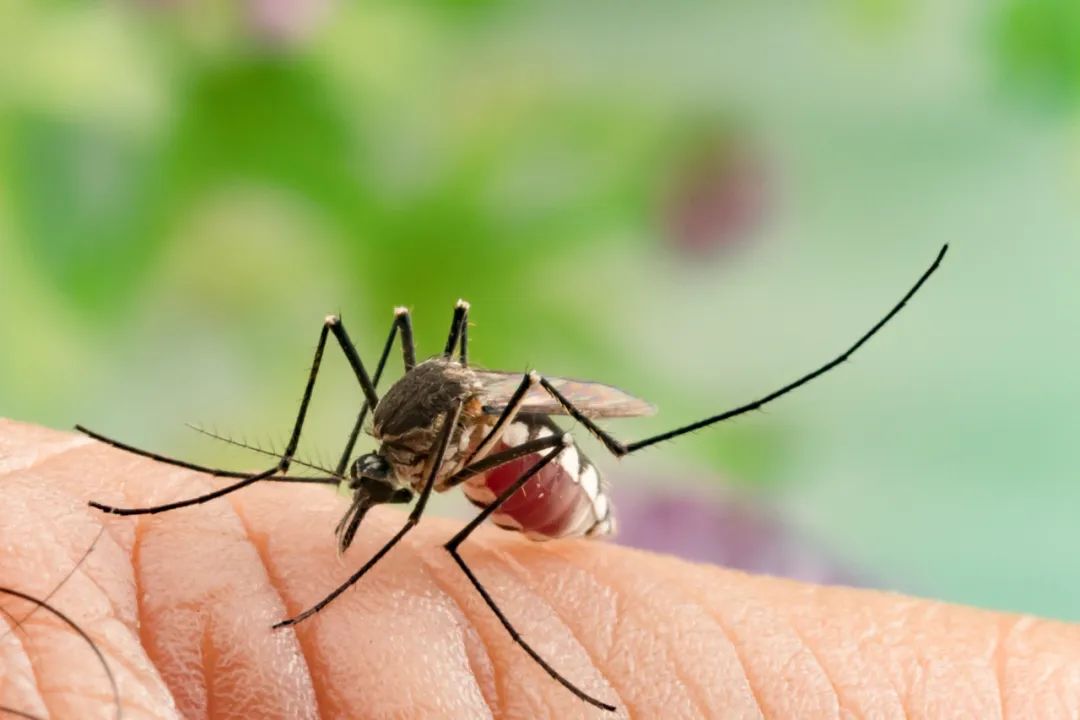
x=445, y=424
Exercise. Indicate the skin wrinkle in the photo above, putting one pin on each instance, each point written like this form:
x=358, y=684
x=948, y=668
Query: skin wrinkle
x=891, y=681
x=234, y=540
x=515, y=568
x=812, y=595
x=32, y=618
x=619, y=616
x=496, y=704
x=865, y=643
x=693, y=692
x=17, y=629
x=493, y=554
x=874, y=635
x=140, y=529
x=1005, y=630
x=309, y=648
x=817, y=661
x=209, y=659
x=136, y=567
x=81, y=572
x=262, y=551
x=47, y=691
x=104, y=551
x=755, y=693
x=370, y=609
x=701, y=610
x=213, y=606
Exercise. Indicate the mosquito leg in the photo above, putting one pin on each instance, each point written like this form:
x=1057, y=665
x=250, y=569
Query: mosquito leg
x=403, y=324
x=450, y=421
x=403, y=321
x=215, y=472
x=459, y=328
x=505, y=418
x=331, y=325
x=491, y=462
x=452, y=547
x=618, y=448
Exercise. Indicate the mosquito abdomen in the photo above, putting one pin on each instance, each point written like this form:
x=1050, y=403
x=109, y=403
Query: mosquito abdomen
x=566, y=498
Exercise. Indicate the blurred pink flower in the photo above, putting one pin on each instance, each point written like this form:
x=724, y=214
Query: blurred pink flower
x=285, y=21
x=717, y=197
x=735, y=533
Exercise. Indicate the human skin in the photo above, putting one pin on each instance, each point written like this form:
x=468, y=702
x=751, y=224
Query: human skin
x=181, y=604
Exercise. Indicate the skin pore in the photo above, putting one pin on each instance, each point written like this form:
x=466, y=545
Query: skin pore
x=181, y=605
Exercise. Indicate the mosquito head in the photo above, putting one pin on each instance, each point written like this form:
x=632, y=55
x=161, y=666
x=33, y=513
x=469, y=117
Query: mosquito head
x=371, y=467
x=373, y=483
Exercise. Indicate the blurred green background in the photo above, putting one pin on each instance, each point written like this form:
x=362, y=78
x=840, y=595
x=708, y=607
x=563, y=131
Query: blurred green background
x=695, y=201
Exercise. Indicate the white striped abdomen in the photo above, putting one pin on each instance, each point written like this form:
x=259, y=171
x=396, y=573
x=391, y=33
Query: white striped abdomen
x=566, y=498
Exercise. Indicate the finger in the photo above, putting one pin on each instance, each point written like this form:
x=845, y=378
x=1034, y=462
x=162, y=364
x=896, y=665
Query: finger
x=655, y=636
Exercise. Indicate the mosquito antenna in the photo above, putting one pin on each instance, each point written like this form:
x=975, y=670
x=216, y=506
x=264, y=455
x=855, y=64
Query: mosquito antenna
x=43, y=603
x=258, y=448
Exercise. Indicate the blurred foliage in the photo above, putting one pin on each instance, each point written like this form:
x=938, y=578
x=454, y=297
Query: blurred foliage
x=1039, y=46
x=697, y=203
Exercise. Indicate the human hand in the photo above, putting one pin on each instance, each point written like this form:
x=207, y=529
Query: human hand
x=181, y=604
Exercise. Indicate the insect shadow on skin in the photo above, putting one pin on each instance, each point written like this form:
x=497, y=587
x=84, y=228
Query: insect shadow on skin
x=17, y=624
x=445, y=424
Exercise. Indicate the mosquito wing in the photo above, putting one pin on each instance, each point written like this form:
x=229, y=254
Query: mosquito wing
x=593, y=399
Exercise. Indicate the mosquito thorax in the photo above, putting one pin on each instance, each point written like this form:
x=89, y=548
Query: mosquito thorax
x=416, y=401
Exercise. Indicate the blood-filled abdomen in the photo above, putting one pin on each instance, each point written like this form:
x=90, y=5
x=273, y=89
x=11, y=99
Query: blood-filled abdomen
x=566, y=498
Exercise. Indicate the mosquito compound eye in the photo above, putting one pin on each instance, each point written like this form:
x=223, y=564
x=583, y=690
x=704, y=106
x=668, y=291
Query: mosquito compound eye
x=371, y=466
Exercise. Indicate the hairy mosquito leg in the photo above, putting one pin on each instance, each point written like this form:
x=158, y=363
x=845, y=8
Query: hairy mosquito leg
x=403, y=324
x=332, y=324
x=491, y=462
x=216, y=472
x=459, y=329
x=619, y=449
x=450, y=421
x=452, y=547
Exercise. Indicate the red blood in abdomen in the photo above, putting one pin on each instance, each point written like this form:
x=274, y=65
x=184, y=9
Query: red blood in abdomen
x=546, y=503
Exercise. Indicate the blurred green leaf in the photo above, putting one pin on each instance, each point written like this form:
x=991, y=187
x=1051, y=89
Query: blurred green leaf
x=83, y=197
x=1038, y=44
